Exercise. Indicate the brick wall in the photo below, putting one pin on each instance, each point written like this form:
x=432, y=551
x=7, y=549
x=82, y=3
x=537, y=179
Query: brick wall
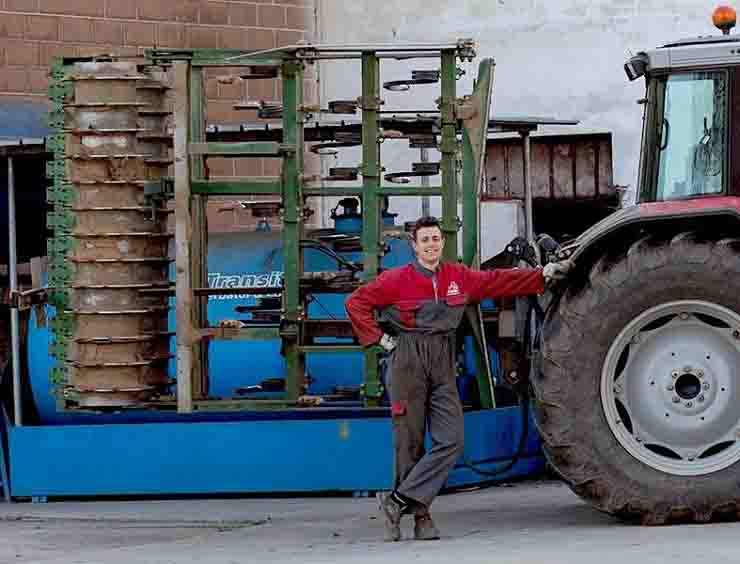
x=32, y=32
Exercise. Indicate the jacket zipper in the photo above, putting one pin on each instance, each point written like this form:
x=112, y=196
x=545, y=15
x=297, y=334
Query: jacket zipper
x=434, y=285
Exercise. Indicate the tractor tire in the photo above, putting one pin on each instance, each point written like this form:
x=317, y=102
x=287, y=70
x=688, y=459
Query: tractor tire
x=637, y=399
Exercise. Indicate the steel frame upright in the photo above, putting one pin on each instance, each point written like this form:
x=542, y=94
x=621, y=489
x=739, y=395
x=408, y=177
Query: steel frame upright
x=293, y=225
x=449, y=149
x=371, y=220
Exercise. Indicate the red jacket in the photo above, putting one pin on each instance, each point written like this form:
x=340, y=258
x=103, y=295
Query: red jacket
x=412, y=298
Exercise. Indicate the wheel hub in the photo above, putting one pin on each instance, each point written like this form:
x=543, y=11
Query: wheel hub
x=668, y=388
x=688, y=386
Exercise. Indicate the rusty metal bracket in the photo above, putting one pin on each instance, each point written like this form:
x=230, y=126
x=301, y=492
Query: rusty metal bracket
x=343, y=106
x=423, y=141
x=418, y=169
x=260, y=72
x=251, y=73
x=28, y=298
x=384, y=134
x=265, y=110
x=342, y=173
x=370, y=103
x=270, y=111
x=341, y=139
x=263, y=208
x=417, y=77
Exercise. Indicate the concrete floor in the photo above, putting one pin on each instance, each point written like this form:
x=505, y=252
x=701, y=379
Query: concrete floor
x=529, y=522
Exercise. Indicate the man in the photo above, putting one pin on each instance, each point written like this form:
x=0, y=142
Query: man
x=424, y=302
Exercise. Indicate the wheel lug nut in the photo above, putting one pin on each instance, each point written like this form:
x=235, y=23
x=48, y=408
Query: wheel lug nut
x=700, y=398
x=669, y=387
x=617, y=389
x=689, y=404
x=687, y=368
x=684, y=316
x=636, y=339
x=700, y=374
x=691, y=457
x=705, y=386
x=736, y=334
x=676, y=399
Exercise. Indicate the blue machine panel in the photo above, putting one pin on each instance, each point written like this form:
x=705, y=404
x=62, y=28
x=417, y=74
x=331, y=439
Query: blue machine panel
x=259, y=262
x=240, y=456
x=245, y=259
x=148, y=452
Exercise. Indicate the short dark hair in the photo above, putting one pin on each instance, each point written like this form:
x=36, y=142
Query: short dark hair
x=426, y=221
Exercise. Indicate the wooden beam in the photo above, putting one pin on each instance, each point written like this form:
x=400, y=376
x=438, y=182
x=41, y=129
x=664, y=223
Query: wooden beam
x=199, y=239
x=183, y=232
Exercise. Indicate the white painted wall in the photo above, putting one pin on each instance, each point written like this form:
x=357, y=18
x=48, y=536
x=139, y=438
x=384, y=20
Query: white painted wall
x=560, y=58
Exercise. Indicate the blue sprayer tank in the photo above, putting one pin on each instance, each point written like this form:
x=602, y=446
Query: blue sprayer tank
x=251, y=259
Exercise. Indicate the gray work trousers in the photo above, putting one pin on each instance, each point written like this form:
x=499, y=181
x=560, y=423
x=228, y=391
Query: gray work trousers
x=424, y=396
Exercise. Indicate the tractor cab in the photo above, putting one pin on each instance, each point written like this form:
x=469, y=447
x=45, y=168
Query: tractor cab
x=689, y=147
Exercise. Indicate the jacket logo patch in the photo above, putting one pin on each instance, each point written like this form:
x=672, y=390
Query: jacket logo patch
x=453, y=290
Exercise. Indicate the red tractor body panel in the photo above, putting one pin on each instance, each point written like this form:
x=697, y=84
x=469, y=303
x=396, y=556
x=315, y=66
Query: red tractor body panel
x=682, y=207
x=651, y=214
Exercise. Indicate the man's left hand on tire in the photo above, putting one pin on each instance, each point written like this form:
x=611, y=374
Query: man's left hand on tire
x=554, y=271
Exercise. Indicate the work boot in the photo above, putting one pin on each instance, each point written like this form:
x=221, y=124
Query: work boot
x=424, y=527
x=391, y=512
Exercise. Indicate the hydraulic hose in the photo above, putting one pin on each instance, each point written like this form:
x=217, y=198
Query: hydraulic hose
x=522, y=388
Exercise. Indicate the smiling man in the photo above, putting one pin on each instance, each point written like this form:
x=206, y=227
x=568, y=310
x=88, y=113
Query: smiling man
x=422, y=304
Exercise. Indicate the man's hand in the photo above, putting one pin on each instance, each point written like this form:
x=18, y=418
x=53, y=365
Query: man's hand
x=554, y=271
x=387, y=342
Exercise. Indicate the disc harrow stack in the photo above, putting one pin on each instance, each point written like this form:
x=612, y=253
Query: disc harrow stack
x=111, y=240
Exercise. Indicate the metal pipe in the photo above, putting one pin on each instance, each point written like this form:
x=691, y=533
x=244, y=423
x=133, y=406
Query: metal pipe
x=528, y=213
x=448, y=148
x=371, y=218
x=416, y=49
x=425, y=208
x=14, y=320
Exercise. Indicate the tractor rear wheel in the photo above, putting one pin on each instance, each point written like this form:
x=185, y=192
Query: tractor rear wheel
x=638, y=397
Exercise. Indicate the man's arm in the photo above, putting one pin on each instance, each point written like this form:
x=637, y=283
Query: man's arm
x=362, y=303
x=501, y=283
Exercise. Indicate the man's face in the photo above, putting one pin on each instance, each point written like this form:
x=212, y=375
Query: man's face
x=428, y=245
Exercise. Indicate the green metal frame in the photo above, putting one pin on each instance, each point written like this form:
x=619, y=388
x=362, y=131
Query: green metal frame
x=474, y=135
x=448, y=148
x=292, y=74
x=60, y=194
x=470, y=113
x=371, y=217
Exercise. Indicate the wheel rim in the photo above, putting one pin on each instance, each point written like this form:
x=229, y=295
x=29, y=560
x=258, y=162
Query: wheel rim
x=668, y=388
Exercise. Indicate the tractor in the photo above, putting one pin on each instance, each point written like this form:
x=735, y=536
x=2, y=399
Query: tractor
x=637, y=380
